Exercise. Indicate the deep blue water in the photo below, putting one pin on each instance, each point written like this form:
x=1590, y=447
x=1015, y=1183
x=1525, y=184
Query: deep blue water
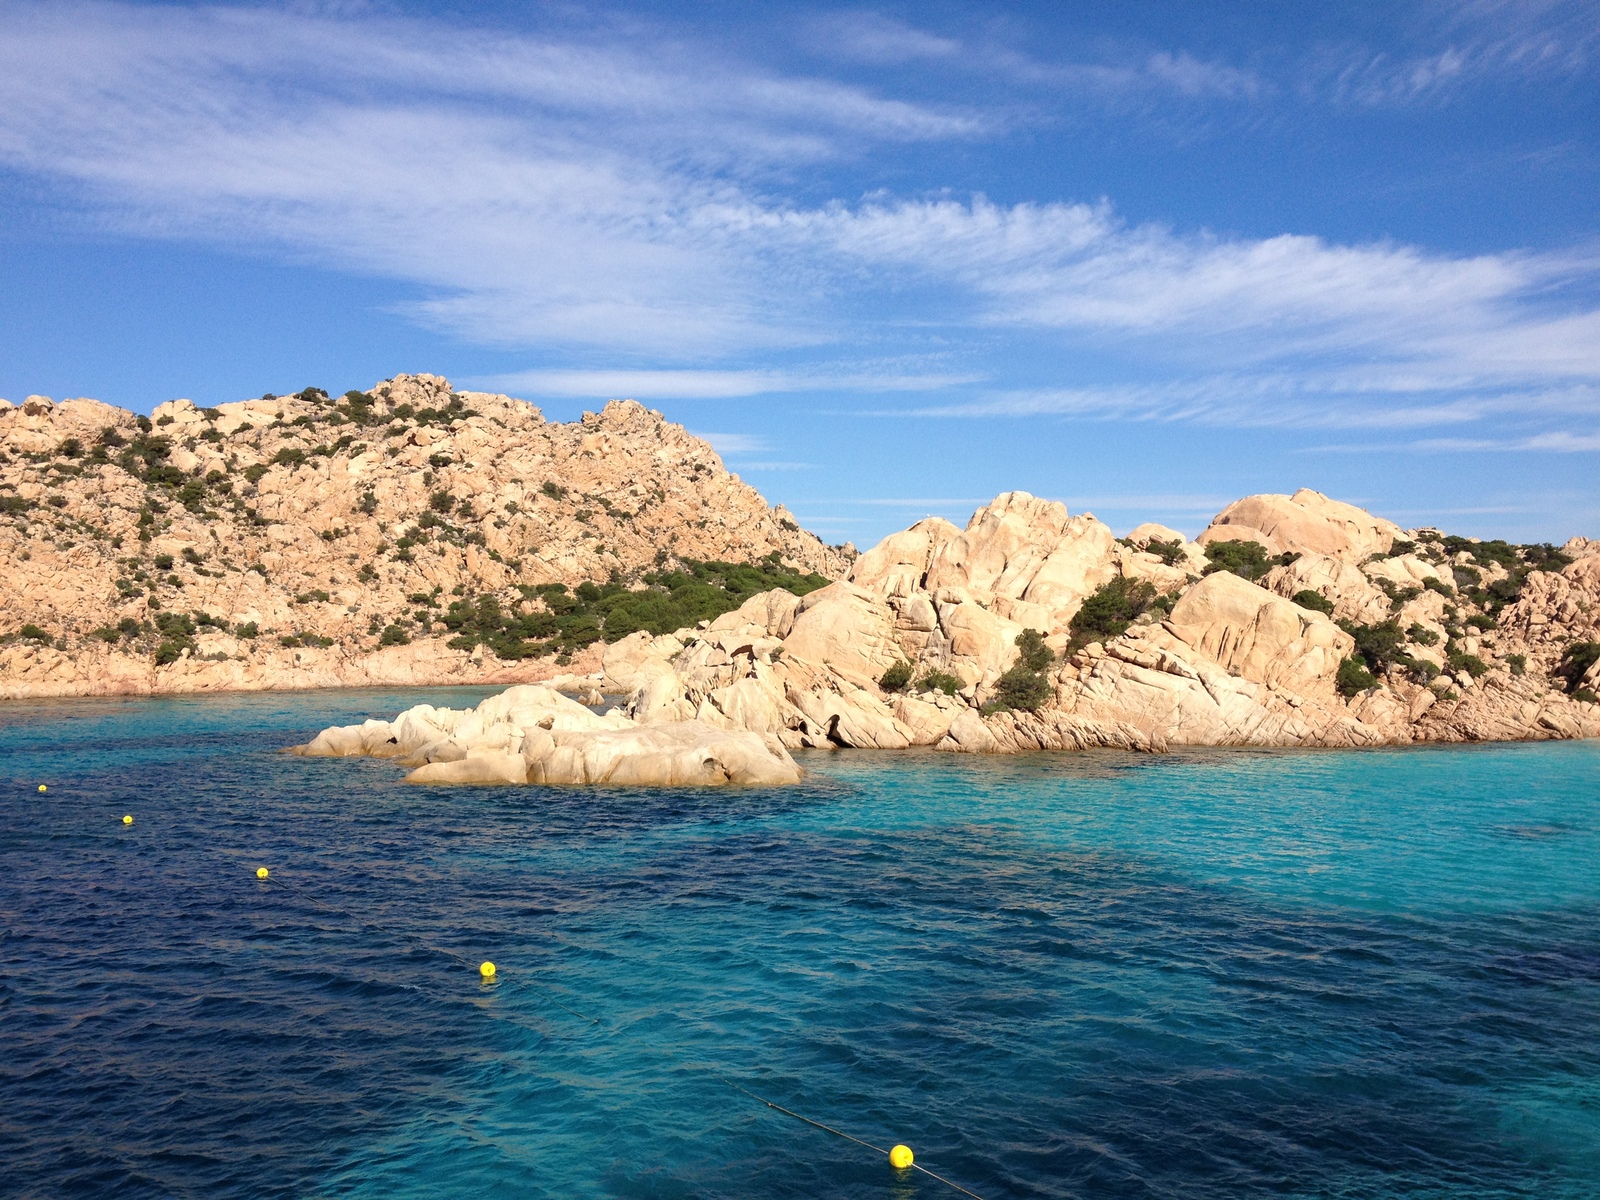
x=1229, y=974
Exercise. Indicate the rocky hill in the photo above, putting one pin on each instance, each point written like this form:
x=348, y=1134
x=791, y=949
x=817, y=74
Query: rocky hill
x=392, y=536
x=1291, y=621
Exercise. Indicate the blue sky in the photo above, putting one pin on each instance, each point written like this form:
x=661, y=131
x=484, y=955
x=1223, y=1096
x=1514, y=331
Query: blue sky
x=891, y=259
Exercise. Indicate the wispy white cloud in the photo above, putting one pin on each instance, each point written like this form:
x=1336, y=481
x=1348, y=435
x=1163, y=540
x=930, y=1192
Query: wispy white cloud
x=734, y=443
x=1314, y=399
x=1121, y=73
x=1474, y=42
x=871, y=37
x=1559, y=441
x=939, y=503
x=564, y=194
x=1550, y=442
x=688, y=384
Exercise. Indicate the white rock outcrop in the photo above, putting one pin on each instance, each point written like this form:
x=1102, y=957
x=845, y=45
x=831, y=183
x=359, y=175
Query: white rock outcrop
x=533, y=735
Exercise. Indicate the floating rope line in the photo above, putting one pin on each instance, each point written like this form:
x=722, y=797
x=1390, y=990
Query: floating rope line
x=263, y=875
x=916, y=1166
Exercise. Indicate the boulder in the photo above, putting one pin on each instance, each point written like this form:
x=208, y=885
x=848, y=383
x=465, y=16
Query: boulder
x=1261, y=637
x=847, y=628
x=533, y=734
x=1306, y=523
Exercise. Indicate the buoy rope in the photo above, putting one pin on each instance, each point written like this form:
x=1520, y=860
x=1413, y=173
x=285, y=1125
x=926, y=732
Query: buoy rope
x=550, y=996
x=915, y=1166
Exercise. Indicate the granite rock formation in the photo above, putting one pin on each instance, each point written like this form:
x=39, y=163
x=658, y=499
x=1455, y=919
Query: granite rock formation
x=323, y=536
x=532, y=734
x=1467, y=640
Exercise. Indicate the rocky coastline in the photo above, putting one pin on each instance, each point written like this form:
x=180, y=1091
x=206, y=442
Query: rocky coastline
x=413, y=535
x=1291, y=621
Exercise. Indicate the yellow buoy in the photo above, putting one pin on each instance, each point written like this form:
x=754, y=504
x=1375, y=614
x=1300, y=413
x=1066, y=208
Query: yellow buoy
x=900, y=1157
x=486, y=969
x=262, y=872
x=42, y=788
x=128, y=819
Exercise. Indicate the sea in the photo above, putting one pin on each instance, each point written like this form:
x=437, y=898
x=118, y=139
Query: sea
x=1210, y=973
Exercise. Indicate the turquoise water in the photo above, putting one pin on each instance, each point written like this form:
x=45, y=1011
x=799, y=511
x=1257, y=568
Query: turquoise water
x=1351, y=974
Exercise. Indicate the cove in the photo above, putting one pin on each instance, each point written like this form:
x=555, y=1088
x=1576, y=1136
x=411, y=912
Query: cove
x=1207, y=974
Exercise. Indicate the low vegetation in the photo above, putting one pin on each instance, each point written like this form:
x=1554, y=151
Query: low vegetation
x=1575, y=662
x=1108, y=611
x=1315, y=601
x=1246, y=559
x=550, y=619
x=897, y=678
x=1024, y=687
x=1380, y=646
x=1354, y=677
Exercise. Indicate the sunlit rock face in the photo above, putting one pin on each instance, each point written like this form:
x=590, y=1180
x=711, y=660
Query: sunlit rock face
x=1227, y=662
x=533, y=735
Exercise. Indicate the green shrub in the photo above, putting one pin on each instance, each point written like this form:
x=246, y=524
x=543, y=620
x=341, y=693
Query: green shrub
x=1024, y=687
x=1020, y=689
x=70, y=448
x=171, y=650
x=1421, y=635
x=289, y=456
x=1544, y=557
x=1482, y=621
x=1466, y=577
x=441, y=501
x=255, y=471
x=393, y=635
x=896, y=677
x=128, y=627
x=1470, y=663
x=366, y=574
x=1399, y=597
x=107, y=633
x=1246, y=559
x=553, y=489
x=1033, y=654
x=1378, y=644
x=1354, y=677
x=175, y=624
x=1109, y=610
x=1170, y=553
x=673, y=600
x=940, y=681
x=1315, y=601
x=163, y=562
x=305, y=639
x=247, y=630
x=1575, y=662
x=1518, y=663
x=1431, y=584
x=1586, y=696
